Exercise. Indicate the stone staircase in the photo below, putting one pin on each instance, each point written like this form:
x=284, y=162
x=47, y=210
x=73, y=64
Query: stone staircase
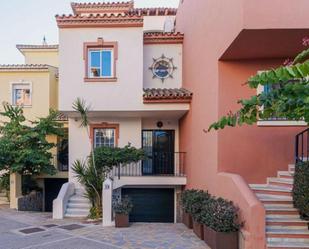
x=78, y=205
x=3, y=198
x=284, y=228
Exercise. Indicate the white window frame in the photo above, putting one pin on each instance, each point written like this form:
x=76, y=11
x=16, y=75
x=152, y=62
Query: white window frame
x=94, y=136
x=101, y=71
x=20, y=83
x=260, y=89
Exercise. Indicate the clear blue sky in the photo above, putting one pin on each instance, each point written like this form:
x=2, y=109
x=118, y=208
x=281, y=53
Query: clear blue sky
x=27, y=21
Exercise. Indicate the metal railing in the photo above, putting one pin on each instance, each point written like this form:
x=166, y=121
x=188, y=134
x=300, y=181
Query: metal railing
x=158, y=164
x=302, y=146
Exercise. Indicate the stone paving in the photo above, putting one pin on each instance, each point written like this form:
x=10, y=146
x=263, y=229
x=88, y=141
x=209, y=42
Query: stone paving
x=75, y=234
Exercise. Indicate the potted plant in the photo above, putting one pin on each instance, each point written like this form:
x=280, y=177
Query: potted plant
x=186, y=197
x=122, y=209
x=221, y=224
x=197, y=201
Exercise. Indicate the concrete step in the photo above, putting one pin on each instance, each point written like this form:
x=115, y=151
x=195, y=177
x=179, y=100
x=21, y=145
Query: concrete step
x=285, y=174
x=79, y=205
x=74, y=212
x=285, y=221
x=78, y=199
x=272, y=190
x=79, y=191
x=275, y=199
x=283, y=209
x=287, y=233
x=284, y=182
x=69, y=215
x=287, y=245
x=292, y=168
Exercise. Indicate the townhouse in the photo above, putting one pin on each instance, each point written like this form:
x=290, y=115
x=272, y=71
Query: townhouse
x=127, y=64
x=225, y=43
x=34, y=85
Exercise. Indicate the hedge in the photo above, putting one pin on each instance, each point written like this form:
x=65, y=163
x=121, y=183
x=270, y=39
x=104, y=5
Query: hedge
x=301, y=189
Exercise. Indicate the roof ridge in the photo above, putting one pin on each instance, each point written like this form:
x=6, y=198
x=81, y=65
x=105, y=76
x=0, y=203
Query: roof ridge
x=30, y=46
x=26, y=66
x=102, y=15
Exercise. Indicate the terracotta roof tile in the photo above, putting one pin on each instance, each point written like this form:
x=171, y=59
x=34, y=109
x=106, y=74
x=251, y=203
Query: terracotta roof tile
x=21, y=67
x=100, y=20
x=24, y=46
x=163, y=37
x=127, y=7
x=154, y=11
x=165, y=94
x=79, y=8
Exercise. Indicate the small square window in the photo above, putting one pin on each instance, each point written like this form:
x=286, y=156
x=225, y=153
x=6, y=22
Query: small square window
x=104, y=137
x=21, y=95
x=100, y=63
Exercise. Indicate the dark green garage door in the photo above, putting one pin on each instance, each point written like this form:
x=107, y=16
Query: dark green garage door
x=151, y=205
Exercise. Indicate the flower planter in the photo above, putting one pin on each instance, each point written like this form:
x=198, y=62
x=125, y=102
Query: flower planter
x=219, y=240
x=198, y=229
x=187, y=219
x=121, y=220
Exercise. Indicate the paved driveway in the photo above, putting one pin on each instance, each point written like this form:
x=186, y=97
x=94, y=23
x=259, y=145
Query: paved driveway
x=24, y=230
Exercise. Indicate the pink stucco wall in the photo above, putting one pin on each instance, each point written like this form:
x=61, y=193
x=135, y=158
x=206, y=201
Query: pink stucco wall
x=224, y=162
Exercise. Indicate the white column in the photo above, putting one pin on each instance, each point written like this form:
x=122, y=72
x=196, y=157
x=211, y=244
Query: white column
x=15, y=190
x=107, y=196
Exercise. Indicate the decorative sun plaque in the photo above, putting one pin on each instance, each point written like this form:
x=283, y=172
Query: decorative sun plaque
x=163, y=68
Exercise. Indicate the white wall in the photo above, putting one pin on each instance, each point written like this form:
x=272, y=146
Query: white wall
x=155, y=51
x=126, y=93
x=79, y=146
x=156, y=23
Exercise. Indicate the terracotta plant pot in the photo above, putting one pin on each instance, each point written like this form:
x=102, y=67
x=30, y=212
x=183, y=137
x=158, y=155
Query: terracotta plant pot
x=187, y=219
x=219, y=240
x=198, y=229
x=121, y=220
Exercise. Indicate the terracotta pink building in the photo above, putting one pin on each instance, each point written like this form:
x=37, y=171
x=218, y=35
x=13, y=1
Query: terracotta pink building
x=225, y=43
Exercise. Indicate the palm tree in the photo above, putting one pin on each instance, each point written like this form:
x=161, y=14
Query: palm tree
x=87, y=173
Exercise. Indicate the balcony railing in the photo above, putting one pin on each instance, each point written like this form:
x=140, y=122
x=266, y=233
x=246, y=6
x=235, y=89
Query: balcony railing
x=158, y=164
x=302, y=146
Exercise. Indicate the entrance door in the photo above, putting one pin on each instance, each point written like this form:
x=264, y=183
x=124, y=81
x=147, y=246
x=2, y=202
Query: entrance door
x=52, y=188
x=159, y=149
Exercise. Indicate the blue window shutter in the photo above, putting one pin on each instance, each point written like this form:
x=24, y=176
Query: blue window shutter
x=267, y=88
x=95, y=59
x=106, y=63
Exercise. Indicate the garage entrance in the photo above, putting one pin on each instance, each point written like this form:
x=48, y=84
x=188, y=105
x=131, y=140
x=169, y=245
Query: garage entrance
x=151, y=205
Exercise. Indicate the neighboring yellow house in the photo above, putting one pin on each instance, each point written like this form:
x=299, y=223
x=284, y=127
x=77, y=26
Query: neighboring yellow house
x=35, y=86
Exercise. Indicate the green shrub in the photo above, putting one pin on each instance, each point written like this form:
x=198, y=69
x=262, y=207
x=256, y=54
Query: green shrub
x=301, y=189
x=95, y=213
x=107, y=157
x=192, y=202
x=220, y=215
x=185, y=199
x=123, y=206
x=5, y=182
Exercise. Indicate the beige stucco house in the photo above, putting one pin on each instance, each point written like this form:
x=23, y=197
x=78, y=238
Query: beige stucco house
x=127, y=64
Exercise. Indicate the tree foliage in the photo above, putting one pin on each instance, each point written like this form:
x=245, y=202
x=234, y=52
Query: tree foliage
x=289, y=97
x=24, y=148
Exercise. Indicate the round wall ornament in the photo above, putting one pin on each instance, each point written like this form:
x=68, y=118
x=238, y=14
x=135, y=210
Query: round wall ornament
x=163, y=68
